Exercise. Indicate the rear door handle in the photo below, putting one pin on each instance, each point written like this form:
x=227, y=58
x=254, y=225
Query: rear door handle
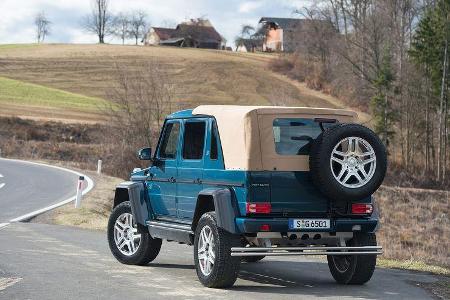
x=172, y=180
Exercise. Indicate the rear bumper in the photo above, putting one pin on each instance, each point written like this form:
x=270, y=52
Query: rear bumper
x=253, y=225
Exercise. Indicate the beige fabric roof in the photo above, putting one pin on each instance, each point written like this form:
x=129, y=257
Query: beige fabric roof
x=246, y=134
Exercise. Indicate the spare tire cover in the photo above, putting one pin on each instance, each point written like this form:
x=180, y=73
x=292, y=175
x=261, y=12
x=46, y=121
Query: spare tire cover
x=347, y=162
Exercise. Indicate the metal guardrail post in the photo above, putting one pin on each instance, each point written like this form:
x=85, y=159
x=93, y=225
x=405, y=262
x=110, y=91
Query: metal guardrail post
x=79, y=192
x=99, y=166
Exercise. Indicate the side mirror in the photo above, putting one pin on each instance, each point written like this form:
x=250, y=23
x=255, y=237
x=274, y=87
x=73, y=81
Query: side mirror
x=145, y=154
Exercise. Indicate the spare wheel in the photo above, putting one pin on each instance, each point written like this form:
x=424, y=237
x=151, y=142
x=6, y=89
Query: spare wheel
x=348, y=162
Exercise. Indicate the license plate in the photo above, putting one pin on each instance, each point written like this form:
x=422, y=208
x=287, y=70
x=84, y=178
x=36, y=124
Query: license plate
x=309, y=224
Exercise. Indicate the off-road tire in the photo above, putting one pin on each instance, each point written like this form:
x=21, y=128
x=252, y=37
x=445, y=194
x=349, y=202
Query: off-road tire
x=360, y=268
x=252, y=259
x=148, y=249
x=319, y=162
x=226, y=268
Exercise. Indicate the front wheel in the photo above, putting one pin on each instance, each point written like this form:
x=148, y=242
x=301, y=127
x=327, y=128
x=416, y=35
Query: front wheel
x=354, y=269
x=215, y=266
x=127, y=244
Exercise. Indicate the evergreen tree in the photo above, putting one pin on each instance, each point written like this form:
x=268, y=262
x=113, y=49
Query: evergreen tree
x=381, y=107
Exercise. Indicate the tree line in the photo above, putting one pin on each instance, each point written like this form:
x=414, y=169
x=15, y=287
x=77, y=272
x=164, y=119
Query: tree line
x=389, y=57
x=102, y=22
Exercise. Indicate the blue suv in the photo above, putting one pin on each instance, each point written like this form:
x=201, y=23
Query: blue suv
x=243, y=182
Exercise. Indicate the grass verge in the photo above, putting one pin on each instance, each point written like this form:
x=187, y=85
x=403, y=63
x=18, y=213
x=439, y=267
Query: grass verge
x=412, y=265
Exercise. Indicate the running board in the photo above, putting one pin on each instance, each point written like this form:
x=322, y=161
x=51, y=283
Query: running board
x=312, y=250
x=170, y=231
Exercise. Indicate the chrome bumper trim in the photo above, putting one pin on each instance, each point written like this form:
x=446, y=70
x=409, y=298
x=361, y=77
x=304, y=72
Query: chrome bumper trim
x=313, y=250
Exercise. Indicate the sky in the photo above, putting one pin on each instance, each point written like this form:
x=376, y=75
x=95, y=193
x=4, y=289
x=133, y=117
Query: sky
x=227, y=16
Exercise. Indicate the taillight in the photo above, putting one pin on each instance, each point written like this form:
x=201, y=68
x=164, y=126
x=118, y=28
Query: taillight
x=264, y=227
x=362, y=209
x=259, y=208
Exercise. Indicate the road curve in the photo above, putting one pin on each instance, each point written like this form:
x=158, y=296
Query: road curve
x=26, y=187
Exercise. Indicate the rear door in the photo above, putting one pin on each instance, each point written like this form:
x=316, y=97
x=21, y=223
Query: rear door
x=162, y=186
x=290, y=190
x=190, y=167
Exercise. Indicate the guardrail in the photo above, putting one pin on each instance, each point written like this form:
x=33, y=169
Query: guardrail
x=311, y=250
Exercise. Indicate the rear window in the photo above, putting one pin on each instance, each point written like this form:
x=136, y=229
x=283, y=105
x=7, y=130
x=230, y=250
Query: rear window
x=294, y=136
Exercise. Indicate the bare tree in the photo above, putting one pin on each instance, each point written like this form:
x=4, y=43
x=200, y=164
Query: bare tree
x=121, y=25
x=99, y=21
x=42, y=26
x=142, y=96
x=138, y=24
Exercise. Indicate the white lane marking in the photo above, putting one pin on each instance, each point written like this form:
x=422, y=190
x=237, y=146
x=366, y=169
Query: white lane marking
x=7, y=282
x=90, y=185
x=2, y=185
x=1, y=175
x=3, y=225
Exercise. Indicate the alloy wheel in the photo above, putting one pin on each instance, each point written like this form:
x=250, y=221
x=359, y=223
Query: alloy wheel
x=353, y=162
x=206, y=254
x=126, y=235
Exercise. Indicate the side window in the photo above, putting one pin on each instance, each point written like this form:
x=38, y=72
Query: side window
x=194, y=140
x=213, y=154
x=169, y=142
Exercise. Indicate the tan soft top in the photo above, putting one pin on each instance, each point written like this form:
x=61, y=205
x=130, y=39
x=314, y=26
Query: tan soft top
x=246, y=134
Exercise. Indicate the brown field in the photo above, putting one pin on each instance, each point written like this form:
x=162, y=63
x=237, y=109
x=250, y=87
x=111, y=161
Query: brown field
x=415, y=224
x=199, y=76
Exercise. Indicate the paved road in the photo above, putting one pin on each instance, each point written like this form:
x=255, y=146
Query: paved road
x=26, y=187
x=40, y=261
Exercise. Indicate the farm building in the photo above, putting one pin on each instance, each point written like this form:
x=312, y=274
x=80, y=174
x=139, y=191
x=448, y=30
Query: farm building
x=196, y=33
x=286, y=34
x=157, y=34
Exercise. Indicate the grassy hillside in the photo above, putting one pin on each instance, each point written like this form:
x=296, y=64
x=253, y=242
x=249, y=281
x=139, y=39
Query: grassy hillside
x=200, y=76
x=23, y=93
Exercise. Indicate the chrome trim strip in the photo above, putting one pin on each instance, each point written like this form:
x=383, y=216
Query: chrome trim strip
x=224, y=183
x=195, y=181
x=312, y=250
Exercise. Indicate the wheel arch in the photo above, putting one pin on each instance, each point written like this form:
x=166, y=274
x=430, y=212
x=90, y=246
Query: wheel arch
x=135, y=193
x=219, y=200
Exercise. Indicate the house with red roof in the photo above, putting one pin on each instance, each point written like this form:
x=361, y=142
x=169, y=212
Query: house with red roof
x=196, y=33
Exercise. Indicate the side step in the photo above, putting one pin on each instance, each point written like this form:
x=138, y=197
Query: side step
x=170, y=231
x=311, y=250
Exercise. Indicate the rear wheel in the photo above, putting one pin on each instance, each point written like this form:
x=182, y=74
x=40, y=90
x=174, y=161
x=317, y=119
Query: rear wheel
x=215, y=266
x=127, y=244
x=354, y=269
